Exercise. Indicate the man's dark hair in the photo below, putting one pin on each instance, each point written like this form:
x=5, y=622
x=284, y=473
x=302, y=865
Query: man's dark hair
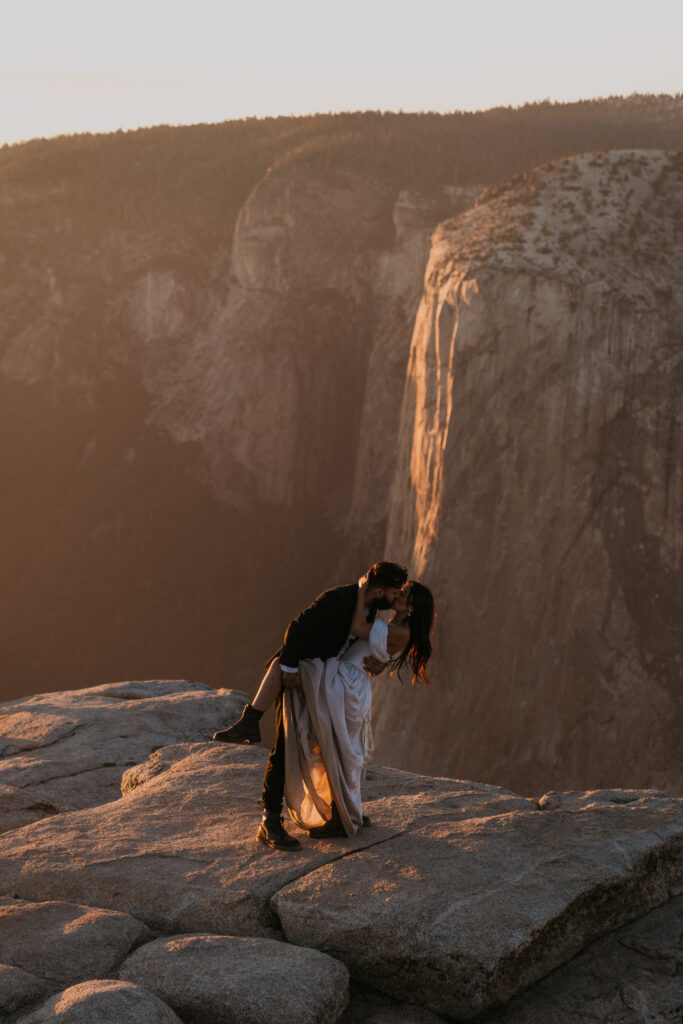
x=387, y=574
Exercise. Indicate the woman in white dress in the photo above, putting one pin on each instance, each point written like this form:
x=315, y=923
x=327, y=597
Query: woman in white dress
x=327, y=721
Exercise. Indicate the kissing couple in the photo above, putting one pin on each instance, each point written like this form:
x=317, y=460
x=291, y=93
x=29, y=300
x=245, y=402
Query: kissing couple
x=319, y=680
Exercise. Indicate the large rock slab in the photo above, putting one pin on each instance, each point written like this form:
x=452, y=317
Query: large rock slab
x=367, y=1006
x=179, y=850
x=405, y=800
x=65, y=751
x=632, y=798
x=19, y=807
x=397, y=799
x=19, y=988
x=230, y=980
x=64, y=942
x=102, y=1002
x=457, y=916
x=629, y=977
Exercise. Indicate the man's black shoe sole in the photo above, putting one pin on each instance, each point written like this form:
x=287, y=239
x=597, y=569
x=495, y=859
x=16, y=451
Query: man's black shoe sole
x=335, y=833
x=244, y=742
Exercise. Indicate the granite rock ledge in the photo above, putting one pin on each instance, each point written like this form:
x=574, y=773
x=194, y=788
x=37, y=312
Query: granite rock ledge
x=461, y=901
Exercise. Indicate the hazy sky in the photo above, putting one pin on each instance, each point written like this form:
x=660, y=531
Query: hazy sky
x=90, y=65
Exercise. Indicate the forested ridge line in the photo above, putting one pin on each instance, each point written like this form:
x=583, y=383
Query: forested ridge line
x=168, y=178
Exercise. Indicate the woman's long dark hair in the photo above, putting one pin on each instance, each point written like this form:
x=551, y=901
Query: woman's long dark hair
x=418, y=650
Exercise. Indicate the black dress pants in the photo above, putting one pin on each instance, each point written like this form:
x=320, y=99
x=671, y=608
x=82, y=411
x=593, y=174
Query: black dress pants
x=273, y=793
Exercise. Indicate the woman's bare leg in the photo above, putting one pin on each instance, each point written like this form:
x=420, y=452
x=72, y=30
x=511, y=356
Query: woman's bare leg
x=269, y=690
x=246, y=728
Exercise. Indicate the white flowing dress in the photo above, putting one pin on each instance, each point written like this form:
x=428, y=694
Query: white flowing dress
x=327, y=734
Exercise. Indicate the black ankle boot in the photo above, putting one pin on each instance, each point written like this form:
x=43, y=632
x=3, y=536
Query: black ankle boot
x=244, y=730
x=272, y=833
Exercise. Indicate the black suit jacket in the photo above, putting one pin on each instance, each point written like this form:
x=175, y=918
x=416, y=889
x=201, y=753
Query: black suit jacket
x=320, y=631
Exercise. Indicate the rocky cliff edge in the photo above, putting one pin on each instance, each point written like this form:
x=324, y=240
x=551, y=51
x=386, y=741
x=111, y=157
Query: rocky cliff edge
x=459, y=901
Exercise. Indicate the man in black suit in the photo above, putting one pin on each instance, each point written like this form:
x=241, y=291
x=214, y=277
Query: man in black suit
x=320, y=631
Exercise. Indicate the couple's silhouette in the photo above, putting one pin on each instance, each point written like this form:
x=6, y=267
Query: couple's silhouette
x=319, y=680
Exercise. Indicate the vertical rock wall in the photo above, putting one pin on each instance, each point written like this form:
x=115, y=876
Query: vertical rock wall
x=539, y=487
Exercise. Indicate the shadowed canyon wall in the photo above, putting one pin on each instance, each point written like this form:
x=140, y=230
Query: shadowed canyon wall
x=209, y=414
x=180, y=439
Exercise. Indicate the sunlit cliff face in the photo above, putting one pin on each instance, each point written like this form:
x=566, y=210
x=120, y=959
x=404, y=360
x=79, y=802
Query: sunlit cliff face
x=539, y=482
